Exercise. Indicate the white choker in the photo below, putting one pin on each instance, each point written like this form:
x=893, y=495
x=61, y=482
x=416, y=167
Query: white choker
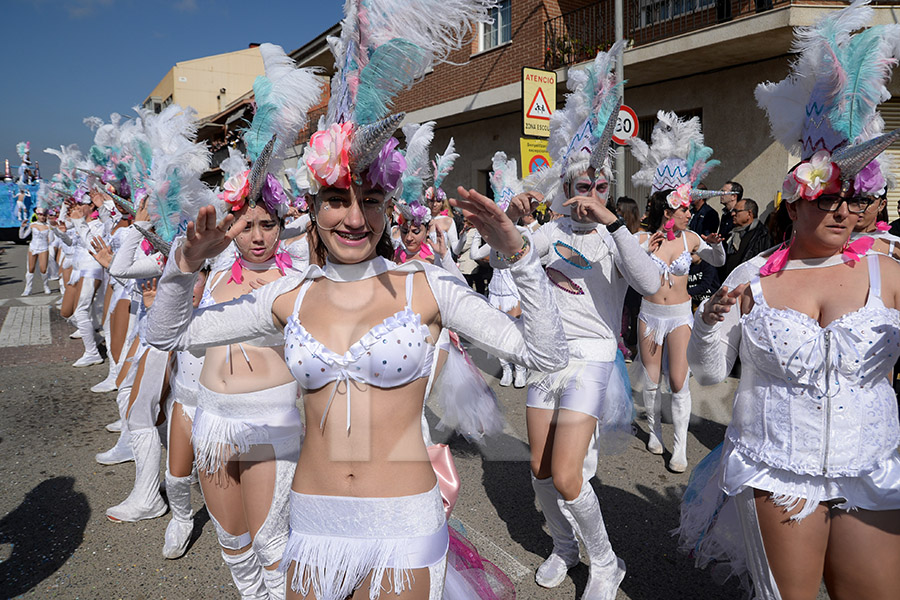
x=357, y=271
x=816, y=263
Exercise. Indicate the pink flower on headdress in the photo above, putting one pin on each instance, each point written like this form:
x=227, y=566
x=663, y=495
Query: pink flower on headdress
x=882, y=226
x=329, y=156
x=680, y=197
x=236, y=191
x=387, y=168
x=816, y=177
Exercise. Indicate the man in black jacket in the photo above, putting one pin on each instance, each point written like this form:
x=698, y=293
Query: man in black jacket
x=748, y=238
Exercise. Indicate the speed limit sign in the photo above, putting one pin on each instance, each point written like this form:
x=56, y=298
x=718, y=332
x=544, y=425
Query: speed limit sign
x=626, y=125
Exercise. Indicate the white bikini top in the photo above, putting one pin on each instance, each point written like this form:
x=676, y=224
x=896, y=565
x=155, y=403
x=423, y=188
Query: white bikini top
x=677, y=268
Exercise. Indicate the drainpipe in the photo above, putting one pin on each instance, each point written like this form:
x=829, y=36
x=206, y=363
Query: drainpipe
x=620, y=74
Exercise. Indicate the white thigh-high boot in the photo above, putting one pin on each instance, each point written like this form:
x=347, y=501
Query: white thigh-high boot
x=108, y=384
x=553, y=571
x=45, y=279
x=681, y=418
x=29, y=279
x=652, y=404
x=607, y=569
x=121, y=452
x=178, y=531
x=85, y=322
x=507, y=378
x=245, y=569
x=144, y=501
x=272, y=536
x=521, y=377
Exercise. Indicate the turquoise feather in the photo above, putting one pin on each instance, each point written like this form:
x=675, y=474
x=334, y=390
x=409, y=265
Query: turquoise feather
x=393, y=67
x=263, y=124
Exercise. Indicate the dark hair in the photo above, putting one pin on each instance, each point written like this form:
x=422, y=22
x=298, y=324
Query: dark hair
x=627, y=209
x=737, y=189
x=779, y=224
x=883, y=213
x=751, y=205
x=657, y=206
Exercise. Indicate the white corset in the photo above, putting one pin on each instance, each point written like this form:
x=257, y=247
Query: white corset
x=817, y=400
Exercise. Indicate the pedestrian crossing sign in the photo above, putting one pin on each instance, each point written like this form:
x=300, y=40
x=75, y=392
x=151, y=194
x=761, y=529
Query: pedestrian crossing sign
x=538, y=101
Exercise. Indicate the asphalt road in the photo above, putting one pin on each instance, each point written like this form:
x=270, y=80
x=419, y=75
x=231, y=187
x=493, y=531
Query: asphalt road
x=55, y=541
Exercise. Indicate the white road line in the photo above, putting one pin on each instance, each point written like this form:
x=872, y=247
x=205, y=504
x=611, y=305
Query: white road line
x=26, y=326
x=494, y=553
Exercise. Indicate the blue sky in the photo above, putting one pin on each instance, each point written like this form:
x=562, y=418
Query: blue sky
x=69, y=59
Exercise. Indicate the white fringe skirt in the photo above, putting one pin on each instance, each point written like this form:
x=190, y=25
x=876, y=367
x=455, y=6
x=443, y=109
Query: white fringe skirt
x=229, y=424
x=338, y=541
x=663, y=319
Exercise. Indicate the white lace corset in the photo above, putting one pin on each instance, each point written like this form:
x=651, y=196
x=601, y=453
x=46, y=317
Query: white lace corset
x=817, y=400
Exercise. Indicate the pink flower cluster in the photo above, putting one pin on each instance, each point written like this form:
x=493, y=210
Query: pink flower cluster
x=813, y=178
x=328, y=158
x=236, y=190
x=680, y=197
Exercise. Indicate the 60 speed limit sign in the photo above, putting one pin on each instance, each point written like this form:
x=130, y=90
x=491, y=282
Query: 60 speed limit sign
x=626, y=125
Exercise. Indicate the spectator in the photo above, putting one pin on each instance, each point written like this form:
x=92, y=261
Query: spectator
x=705, y=219
x=748, y=238
x=627, y=209
x=703, y=280
x=728, y=202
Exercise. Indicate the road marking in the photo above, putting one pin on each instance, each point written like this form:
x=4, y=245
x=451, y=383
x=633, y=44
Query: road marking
x=497, y=555
x=36, y=300
x=26, y=326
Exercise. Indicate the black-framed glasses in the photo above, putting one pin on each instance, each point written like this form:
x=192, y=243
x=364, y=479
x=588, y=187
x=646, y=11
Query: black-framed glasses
x=832, y=202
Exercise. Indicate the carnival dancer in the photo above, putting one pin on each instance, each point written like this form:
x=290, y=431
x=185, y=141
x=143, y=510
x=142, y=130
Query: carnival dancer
x=502, y=292
x=247, y=429
x=436, y=198
x=365, y=506
x=806, y=484
x=591, y=259
x=38, y=249
x=673, y=166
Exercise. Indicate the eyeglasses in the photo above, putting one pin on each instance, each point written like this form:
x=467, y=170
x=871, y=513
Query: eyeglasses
x=832, y=202
x=735, y=211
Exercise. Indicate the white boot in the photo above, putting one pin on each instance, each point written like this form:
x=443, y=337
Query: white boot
x=681, y=418
x=521, y=377
x=247, y=574
x=507, y=378
x=85, y=325
x=108, y=384
x=652, y=404
x=29, y=279
x=553, y=571
x=144, y=501
x=276, y=583
x=121, y=452
x=45, y=279
x=178, y=531
x=607, y=570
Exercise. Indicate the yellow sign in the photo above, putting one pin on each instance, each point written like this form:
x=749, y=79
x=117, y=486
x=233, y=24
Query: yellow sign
x=534, y=156
x=538, y=101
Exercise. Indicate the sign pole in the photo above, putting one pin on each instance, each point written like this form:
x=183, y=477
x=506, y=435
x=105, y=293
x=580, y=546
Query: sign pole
x=620, y=74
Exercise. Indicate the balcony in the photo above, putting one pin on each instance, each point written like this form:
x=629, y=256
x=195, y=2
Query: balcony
x=577, y=36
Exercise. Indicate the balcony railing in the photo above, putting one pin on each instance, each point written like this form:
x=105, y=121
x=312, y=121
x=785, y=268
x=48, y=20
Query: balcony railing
x=577, y=36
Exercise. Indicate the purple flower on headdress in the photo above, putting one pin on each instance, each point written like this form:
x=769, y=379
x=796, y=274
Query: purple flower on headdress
x=419, y=212
x=870, y=181
x=107, y=176
x=386, y=170
x=273, y=195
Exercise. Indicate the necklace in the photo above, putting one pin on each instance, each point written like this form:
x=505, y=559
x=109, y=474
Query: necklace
x=357, y=271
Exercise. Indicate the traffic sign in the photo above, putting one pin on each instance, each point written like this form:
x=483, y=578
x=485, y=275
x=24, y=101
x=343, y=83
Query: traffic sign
x=534, y=156
x=538, y=101
x=626, y=125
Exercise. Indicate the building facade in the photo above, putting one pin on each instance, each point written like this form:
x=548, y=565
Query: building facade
x=208, y=84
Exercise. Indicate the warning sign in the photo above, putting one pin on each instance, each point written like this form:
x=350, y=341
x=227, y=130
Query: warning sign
x=534, y=156
x=538, y=101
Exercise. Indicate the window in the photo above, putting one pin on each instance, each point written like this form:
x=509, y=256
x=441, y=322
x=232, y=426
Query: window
x=499, y=31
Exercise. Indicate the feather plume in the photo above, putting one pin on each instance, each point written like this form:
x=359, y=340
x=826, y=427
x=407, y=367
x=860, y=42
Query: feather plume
x=93, y=123
x=443, y=164
x=418, y=143
x=22, y=149
x=235, y=164
x=665, y=160
x=283, y=98
x=504, y=179
x=387, y=45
